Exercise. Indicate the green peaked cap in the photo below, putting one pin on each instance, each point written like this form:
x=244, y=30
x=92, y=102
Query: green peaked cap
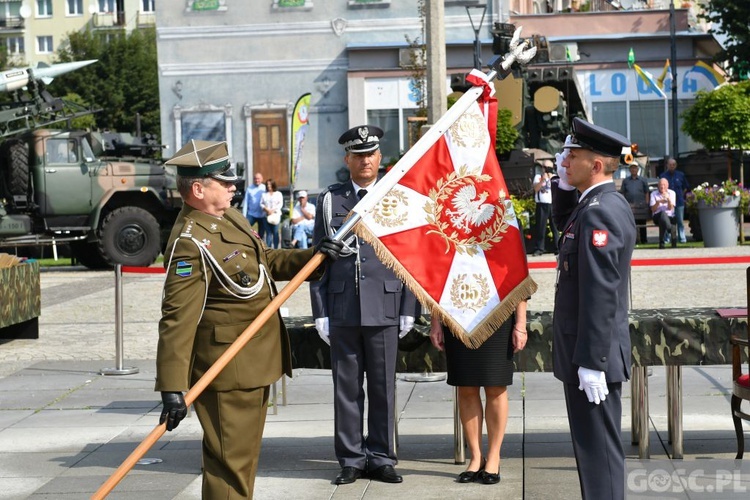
x=200, y=158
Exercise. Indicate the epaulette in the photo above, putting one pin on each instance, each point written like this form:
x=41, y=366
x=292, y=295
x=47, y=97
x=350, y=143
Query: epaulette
x=333, y=187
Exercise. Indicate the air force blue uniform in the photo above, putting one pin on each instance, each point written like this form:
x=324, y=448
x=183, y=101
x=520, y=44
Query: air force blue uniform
x=363, y=300
x=590, y=322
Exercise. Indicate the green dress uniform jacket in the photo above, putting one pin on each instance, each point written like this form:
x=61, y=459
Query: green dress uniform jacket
x=212, y=265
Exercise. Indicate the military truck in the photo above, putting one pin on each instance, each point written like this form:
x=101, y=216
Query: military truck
x=62, y=186
x=102, y=193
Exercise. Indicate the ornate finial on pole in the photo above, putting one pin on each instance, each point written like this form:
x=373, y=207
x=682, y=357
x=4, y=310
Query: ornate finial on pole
x=519, y=52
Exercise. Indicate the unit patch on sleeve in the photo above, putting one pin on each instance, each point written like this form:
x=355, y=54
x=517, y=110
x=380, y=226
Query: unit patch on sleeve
x=599, y=238
x=184, y=269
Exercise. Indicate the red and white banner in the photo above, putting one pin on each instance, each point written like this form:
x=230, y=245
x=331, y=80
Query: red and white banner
x=448, y=229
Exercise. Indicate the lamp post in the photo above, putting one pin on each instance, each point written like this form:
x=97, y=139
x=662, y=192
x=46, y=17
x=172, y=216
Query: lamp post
x=476, y=11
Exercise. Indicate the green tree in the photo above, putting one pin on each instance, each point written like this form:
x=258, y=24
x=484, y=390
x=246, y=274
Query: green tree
x=123, y=83
x=719, y=119
x=732, y=18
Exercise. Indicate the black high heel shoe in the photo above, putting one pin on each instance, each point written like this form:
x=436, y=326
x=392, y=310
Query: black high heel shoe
x=469, y=476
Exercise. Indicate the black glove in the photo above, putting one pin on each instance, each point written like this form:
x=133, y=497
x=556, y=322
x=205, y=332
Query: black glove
x=330, y=247
x=174, y=409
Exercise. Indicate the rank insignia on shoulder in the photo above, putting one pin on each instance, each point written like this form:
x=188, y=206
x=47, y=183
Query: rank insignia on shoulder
x=184, y=269
x=599, y=238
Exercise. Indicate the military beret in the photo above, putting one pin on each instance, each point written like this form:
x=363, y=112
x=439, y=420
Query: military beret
x=597, y=139
x=204, y=159
x=362, y=139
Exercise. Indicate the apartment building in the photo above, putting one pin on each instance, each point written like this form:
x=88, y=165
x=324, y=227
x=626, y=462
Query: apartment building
x=232, y=70
x=32, y=30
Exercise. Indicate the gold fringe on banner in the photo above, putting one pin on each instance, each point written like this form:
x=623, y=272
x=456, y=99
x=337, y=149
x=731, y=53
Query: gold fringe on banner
x=485, y=329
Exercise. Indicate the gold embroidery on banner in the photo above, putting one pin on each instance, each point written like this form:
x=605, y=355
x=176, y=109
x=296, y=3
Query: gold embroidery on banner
x=460, y=189
x=386, y=212
x=469, y=131
x=472, y=296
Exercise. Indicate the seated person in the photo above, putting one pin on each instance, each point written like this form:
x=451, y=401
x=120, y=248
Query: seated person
x=635, y=190
x=662, y=210
x=303, y=220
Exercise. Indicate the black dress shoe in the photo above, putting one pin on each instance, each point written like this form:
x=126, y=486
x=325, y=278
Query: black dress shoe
x=348, y=475
x=386, y=474
x=488, y=477
x=468, y=476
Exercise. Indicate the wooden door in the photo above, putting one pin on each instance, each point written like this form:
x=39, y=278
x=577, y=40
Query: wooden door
x=270, y=151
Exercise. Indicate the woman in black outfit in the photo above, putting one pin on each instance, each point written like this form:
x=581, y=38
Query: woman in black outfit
x=490, y=366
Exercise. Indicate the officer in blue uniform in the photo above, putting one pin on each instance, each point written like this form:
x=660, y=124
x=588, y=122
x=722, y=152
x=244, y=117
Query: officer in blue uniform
x=361, y=309
x=591, y=346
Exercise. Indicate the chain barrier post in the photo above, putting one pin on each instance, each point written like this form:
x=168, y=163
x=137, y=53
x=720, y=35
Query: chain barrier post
x=118, y=369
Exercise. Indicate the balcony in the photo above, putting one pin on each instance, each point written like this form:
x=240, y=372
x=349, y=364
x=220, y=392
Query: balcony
x=109, y=19
x=11, y=23
x=146, y=19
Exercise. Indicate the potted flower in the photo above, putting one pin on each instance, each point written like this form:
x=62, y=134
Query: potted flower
x=720, y=208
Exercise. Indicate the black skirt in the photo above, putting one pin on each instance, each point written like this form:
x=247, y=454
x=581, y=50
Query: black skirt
x=489, y=365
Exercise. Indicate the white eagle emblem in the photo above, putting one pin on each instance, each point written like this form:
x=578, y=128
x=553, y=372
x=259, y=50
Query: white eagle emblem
x=599, y=238
x=469, y=208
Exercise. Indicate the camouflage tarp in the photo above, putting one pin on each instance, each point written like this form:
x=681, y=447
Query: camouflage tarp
x=658, y=336
x=20, y=298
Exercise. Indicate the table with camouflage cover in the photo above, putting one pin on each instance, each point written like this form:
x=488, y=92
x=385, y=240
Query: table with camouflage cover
x=20, y=301
x=666, y=337
x=670, y=337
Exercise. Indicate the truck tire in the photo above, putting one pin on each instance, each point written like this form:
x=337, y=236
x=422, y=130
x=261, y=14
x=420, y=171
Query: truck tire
x=129, y=236
x=16, y=155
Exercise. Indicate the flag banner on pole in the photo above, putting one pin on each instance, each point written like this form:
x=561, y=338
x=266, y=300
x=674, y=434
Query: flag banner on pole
x=300, y=124
x=714, y=77
x=448, y=229
x=663, y=76
x=648, y=79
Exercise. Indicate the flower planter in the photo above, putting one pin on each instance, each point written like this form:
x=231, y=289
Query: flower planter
x=720, y=224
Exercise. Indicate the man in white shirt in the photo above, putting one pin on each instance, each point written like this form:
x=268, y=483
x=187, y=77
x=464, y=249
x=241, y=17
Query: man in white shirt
x=251, y=205
x=543, y=200
x=662, y=205
x=303, y=220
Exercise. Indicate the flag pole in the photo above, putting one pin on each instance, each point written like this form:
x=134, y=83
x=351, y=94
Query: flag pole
x=500, y=66
x=212, y=373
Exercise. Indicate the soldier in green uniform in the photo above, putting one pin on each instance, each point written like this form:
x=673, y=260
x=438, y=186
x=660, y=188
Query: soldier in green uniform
x=220, y=276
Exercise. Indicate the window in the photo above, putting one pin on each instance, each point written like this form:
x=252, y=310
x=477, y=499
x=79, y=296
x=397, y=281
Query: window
x=15, y=45
x=44, y=8
x=147, y=6
x=107, y=6
x=75, y=7
x=62, y=151
x=650, y=124
x=207, y=126
x=44, y=45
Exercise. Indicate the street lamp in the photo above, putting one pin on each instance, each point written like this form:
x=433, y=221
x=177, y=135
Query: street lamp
x=476, y=12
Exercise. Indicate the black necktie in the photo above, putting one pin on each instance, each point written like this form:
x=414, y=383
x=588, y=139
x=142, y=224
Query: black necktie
x=361, y=193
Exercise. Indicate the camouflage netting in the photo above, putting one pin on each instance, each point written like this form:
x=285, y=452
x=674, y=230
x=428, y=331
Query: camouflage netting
x=659, y=337
x=20, y=292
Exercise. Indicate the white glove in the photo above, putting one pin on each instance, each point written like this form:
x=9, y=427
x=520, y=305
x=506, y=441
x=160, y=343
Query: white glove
x=321, y=324
x=406, y=323
x=561, y=172
x=593, y=383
